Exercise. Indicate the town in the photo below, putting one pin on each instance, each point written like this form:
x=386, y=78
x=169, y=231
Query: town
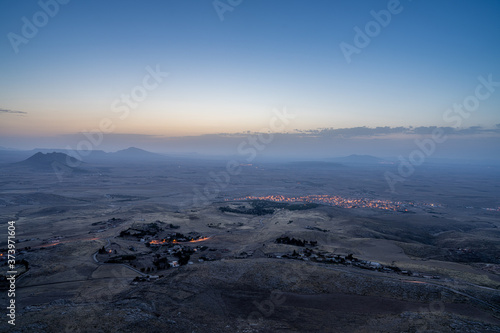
x=333, y=200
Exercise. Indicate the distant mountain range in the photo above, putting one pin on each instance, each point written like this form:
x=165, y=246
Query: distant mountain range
x=131, y=154
x=340, y=162
x=135, y=153
x=359, y=159
x=50, y=162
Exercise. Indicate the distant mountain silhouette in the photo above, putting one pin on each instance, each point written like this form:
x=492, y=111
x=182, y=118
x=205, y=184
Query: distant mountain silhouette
x=135, y=154
x=133, y=151
x=51, y=162
x=36, y=158
x=315, y=164
x=358, y=159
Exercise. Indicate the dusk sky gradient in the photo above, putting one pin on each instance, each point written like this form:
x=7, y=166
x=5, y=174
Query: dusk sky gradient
x=227, y=76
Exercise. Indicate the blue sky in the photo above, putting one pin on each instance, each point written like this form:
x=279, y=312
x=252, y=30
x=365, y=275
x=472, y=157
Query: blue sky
x=226, y=76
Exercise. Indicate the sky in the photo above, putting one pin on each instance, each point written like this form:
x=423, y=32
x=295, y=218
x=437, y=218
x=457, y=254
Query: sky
x=196, y=73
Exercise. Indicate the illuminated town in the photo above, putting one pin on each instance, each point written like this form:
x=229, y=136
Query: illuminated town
x=333, y=200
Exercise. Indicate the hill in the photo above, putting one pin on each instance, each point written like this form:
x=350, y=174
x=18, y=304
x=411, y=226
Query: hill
x=50, y=162
x=358, y=159
x=135, y=154
x=35, y=158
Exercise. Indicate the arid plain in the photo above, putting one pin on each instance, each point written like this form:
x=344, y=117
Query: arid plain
x=178, y=245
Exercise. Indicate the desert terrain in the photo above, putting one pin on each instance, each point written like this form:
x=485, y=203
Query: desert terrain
x=177, y=245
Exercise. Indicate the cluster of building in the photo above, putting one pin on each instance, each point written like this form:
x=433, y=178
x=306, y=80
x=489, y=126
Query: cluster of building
x=334, y=200
x=492, y=209
x=174, y=239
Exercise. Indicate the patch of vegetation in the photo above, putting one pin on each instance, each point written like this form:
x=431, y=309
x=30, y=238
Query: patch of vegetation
x=284, y=205
x=168, y=225
x=121, y=259
x=161, y=263
x=316, y=228
x=296, y=242
x=262, y=207
x=110, y=221
x=150, y=229
x=256, y=210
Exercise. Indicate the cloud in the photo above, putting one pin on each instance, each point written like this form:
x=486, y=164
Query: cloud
x=380, y=132
x=357, y=131
x=11, y=111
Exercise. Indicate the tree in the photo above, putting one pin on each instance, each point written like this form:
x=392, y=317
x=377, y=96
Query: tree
x=183, y=260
